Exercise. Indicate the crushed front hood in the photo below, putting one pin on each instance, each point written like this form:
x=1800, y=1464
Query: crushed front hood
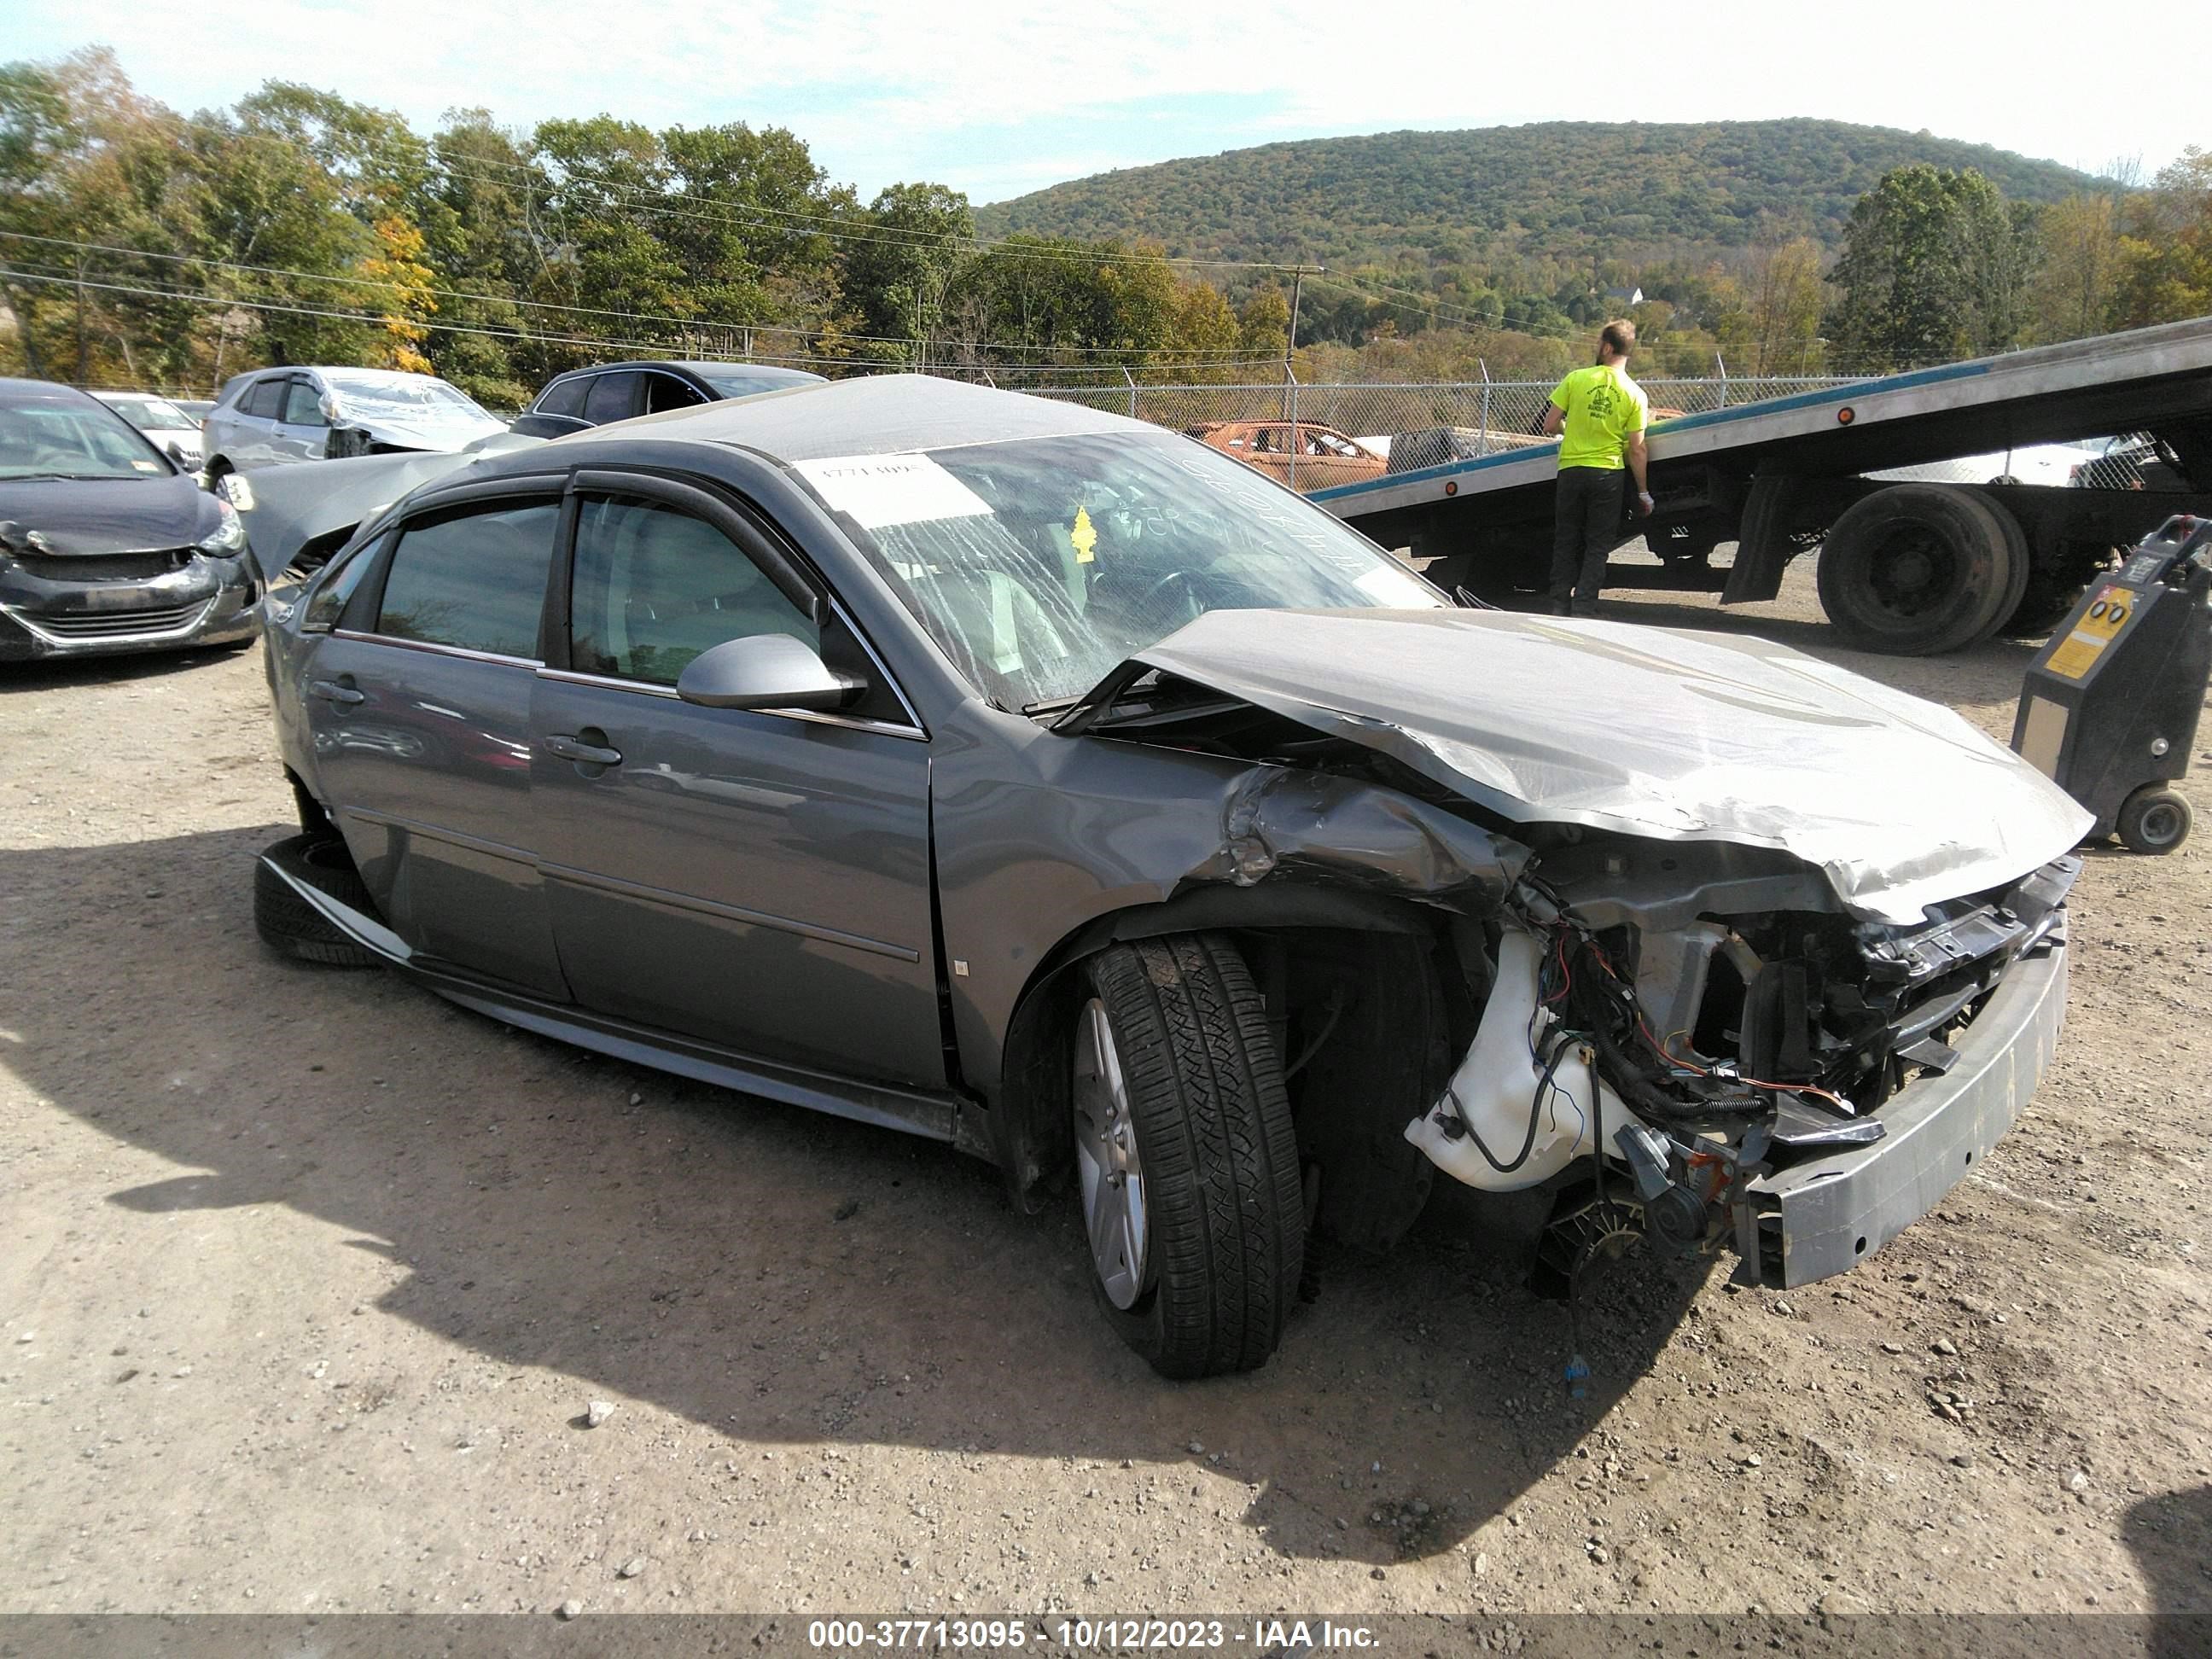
x=1679, y=735
x=92, y=517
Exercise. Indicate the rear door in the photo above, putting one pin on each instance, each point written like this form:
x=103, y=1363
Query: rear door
x=760, y=881
x=613, y=398
x=418, y=708
x=665, y=392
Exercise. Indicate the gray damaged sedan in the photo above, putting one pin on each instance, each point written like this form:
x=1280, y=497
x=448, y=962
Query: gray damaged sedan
x=1032, y=780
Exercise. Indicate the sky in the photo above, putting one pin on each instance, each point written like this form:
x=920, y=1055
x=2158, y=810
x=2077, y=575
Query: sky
x=997, y=99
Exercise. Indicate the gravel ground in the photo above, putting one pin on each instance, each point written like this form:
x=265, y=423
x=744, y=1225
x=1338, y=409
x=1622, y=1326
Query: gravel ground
x=308, y=1282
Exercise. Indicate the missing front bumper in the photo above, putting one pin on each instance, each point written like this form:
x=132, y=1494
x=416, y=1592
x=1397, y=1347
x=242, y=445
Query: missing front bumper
x=1821, y=1217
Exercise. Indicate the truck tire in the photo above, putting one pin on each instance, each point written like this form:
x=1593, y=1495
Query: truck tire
x=1917, y=569
x=2020, y=566
x=291, y=926
x=1193, y=1206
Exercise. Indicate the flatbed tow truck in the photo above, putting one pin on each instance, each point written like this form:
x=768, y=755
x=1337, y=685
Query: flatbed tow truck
x=1907, y=568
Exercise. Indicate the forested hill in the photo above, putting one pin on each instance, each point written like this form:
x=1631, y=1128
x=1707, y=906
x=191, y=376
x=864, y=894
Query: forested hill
x=1551, y=189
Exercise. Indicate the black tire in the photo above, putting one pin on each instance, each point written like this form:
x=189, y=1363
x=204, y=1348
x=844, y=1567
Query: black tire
x=1919, y=569
x=1227, y=1211
x=2020, y=567
x=2054, y=586
x=2155, y=819
x=2045, y=605
x=291, y=926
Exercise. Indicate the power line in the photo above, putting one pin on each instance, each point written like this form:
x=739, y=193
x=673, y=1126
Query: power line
x=685, y=323
x=229, y=302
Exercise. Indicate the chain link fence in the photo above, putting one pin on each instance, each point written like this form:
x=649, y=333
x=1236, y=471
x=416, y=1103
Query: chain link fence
x=1316, y=436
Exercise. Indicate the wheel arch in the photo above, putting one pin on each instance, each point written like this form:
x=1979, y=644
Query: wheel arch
x=1423, y=965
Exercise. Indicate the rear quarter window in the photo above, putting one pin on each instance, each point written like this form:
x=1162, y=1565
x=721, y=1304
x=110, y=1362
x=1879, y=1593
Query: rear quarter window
x=475, y=580
x=562, y=397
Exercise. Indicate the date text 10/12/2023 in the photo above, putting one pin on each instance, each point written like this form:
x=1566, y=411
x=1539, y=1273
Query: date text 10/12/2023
x=1085, y=1635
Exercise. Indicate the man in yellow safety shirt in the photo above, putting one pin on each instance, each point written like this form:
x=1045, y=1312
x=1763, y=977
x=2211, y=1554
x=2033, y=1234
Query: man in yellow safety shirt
x=1603, y=414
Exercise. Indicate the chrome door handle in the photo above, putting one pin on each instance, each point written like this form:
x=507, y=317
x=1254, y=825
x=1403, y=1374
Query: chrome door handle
x=569, y=747
x=332, y=691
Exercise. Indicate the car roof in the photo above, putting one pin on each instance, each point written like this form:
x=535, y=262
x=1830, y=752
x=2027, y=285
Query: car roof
x=877, y=414
x=16, y=392
x=697, y=366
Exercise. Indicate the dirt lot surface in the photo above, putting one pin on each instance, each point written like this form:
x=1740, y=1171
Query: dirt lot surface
x=308, y=1280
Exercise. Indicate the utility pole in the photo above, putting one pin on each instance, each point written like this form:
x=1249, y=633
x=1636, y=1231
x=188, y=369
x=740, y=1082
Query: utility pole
x=1290, y=375
x=83, y=368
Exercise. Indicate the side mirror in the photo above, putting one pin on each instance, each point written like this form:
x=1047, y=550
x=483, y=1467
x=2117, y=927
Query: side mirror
x=764, y=671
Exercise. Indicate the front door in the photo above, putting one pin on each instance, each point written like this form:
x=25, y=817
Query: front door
x=760, y=881
x=419, y=717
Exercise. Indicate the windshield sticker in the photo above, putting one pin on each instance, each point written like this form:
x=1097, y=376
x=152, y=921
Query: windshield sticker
x=1084, y=537
x=882, y=490
x=1394, y=588
x=146, y=466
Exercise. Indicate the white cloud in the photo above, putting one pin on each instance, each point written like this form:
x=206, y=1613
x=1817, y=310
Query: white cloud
x=873, y=87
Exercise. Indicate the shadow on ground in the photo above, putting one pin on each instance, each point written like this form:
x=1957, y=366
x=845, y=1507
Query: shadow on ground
x=774, y=1274
x=48, y=672
x=2170, y=1536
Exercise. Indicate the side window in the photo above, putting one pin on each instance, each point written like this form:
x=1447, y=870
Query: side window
x=562, y=397
x=264, y=398
x=653, y=588
x=329, y=599
x=666, y=391
x=303, y=404
x=474, y=578
x=612, y=398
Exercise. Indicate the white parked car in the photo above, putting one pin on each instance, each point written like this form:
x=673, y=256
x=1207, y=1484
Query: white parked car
x=2031, y=464
x=277, y=415
x=174, y=433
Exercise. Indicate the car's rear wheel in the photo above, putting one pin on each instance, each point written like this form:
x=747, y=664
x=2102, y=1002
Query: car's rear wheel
x=1916, y=569
x=1186, y=1161
x=291, y=926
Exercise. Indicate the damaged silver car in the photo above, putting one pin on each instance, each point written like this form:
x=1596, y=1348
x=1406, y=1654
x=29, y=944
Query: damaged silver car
x=1042, y=782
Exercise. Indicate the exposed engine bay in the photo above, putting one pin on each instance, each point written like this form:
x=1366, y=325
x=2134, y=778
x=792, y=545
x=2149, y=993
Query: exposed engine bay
x=1704, y=1059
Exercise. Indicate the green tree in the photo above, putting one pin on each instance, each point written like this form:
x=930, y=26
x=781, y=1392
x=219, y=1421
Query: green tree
x=1933, y=269
x=899, y=267
x=1785, y=298
x=1263, y=324
x=2166, y=253
x=2076, y=281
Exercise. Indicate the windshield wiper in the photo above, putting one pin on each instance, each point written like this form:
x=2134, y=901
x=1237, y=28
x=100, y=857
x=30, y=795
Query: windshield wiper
x=1051, y=706
x=69, y=477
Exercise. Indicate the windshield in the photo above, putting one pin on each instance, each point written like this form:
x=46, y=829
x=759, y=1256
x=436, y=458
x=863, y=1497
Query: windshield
x=1040, y=564
x=71, y=440
x=415, y=395
x=744, y=383
x=152, y=414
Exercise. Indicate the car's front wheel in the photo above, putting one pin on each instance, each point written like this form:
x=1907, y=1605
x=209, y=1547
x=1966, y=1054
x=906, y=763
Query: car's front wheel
x=1186, y=1161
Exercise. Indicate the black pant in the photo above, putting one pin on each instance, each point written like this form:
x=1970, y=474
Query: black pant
x=1585, y=527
